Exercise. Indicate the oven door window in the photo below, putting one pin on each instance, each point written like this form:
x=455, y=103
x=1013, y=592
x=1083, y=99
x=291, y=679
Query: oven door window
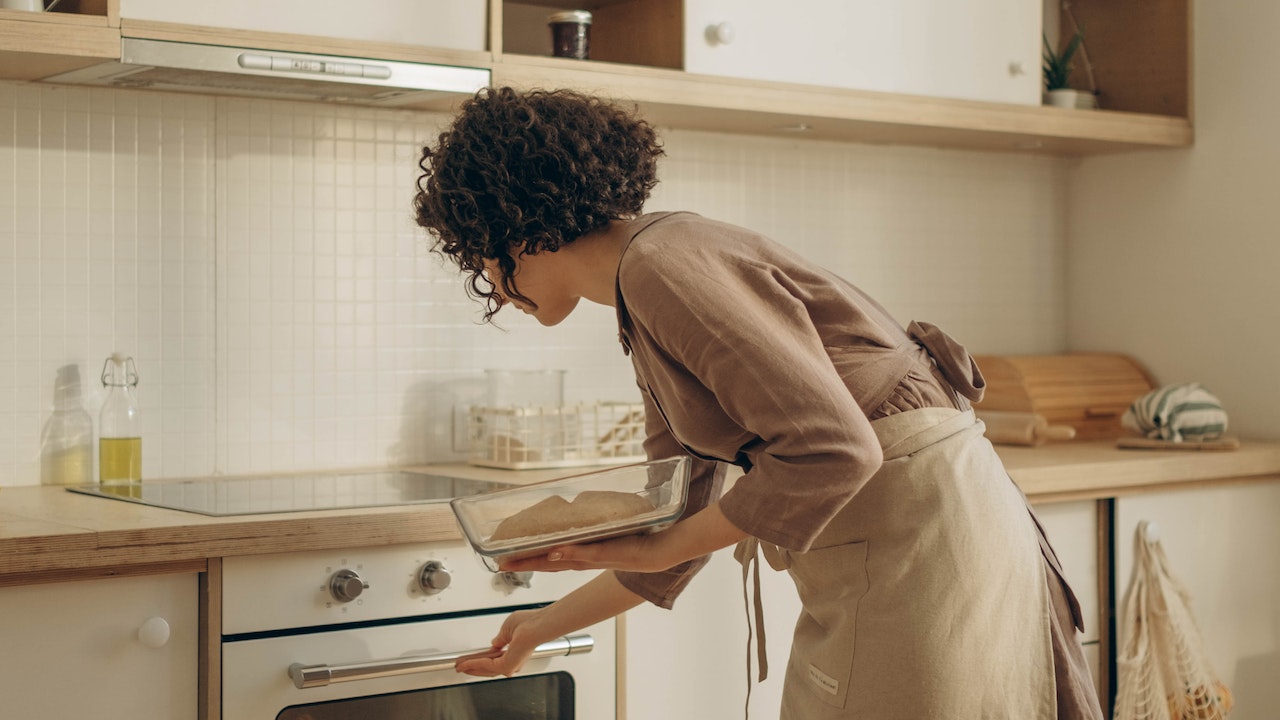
x=534, y=697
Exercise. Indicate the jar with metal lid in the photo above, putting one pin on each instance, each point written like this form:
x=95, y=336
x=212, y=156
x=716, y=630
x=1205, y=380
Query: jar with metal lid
x=570, y=34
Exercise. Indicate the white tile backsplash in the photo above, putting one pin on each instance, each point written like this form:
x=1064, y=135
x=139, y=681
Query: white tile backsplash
x=260, y=262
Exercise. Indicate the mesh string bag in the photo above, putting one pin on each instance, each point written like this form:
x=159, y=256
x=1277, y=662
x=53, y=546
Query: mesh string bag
x=1163, y=673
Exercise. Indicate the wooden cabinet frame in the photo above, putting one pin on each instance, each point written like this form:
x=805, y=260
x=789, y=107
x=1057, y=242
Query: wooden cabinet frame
x=642, y=65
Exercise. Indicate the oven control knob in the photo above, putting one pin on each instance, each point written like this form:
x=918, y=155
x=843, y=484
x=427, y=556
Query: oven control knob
x=346, y=585
x=434, y=577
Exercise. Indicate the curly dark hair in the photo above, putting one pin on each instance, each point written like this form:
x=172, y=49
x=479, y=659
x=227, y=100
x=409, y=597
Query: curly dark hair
x=536, y=169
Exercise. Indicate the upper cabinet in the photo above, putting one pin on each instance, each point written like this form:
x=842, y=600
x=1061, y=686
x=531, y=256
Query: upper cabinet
x=945, y=73
x=962, y=49
x=963, y=74
x=455, y=24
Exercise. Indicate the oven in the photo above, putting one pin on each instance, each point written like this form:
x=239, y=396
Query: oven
x=374, y=632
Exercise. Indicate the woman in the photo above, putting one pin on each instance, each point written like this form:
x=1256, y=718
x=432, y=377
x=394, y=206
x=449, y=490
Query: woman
x=927, y=586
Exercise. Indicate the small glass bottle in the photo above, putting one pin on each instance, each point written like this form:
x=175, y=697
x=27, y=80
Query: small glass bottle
x=119, y=428
x=66, y=444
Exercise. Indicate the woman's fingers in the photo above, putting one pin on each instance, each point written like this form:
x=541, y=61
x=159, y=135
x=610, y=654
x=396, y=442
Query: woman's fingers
x=508, y=652
x=626, y=553
x=483, y=667
x=480, y=663
x=483, y=654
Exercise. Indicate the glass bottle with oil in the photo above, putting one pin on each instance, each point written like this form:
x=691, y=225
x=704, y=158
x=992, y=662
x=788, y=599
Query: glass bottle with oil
x=66, y=443
x=119, y=427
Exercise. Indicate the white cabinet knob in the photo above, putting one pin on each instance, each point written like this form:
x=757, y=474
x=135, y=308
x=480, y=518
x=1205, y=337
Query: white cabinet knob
x=1016, y=68
x=720, y=33
x=154, y=633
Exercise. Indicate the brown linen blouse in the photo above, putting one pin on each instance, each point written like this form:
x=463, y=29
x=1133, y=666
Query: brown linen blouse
x=751, y=355
x=746, y=353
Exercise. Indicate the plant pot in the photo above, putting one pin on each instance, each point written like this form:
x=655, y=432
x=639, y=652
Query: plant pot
x=1063, y=98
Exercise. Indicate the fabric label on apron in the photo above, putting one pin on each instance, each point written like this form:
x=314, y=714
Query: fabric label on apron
x=824, y=681
x=831, y=582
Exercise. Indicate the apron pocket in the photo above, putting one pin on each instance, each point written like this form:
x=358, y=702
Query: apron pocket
x=831, y=582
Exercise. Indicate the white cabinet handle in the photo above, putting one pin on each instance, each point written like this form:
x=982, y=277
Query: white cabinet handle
x=720, y=33
x=154, y=633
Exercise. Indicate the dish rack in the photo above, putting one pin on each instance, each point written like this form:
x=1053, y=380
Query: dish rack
x=528, y=437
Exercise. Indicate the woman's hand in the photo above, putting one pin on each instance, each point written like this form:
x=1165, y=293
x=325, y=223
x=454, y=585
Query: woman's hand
x=511, y=648
x=695, y=536
x=634, y=552
x=523, y=631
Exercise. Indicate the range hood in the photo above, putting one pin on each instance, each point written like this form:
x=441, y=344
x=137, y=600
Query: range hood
x=218, y=69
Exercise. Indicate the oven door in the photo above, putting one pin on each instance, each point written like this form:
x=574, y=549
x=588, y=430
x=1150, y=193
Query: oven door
x=403, y=671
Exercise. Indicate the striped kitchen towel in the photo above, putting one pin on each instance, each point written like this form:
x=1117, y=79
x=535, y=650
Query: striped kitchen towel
x=1177, y=413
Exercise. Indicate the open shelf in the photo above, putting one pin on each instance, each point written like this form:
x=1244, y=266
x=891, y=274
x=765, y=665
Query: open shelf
x=684, y=100
x=34, y=45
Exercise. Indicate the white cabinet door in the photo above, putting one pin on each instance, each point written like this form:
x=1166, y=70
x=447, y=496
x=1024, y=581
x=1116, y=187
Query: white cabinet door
x=1223, y=544
x=1072, y=529
x=966, y=49
x=690, y=663
x=74, y=650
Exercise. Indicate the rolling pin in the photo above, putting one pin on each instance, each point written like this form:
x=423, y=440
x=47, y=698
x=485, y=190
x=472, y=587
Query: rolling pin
x=1022, y=428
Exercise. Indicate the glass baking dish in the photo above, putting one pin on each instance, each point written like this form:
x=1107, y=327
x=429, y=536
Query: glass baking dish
x=663, y=483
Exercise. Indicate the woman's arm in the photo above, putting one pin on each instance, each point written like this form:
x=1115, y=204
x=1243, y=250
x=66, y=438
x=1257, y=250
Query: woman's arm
x=602, y=598
x=701, y=534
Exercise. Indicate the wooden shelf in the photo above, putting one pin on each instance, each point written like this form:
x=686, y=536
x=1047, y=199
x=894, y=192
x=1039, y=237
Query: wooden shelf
x=683, y=100
x=34, y=45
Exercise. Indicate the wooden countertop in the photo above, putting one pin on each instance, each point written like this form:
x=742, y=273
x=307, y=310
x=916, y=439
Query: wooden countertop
x=47, y=533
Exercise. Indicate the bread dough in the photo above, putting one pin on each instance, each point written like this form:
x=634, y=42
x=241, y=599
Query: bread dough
x=554, y=514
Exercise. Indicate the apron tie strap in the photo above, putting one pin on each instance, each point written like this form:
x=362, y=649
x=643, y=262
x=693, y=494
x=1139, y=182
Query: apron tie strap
x=953, y=360
x=747, y=554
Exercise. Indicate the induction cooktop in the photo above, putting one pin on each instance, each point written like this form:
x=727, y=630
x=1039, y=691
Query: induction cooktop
x=254, y=495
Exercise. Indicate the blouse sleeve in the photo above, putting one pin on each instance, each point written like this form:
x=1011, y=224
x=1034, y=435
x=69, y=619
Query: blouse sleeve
x=705, y=484
x=745, y=333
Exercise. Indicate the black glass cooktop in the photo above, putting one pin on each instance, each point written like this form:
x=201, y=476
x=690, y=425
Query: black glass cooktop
x=292, y=493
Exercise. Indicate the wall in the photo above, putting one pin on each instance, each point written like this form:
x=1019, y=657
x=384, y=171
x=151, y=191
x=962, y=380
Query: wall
x=1173, y=255
x=259, y=261
x=1173, y=259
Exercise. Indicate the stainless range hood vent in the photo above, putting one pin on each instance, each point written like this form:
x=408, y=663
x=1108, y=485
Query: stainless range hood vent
x=218, y=69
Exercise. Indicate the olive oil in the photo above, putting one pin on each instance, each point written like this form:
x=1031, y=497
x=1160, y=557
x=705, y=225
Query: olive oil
x=120, y=436
x=119, y=460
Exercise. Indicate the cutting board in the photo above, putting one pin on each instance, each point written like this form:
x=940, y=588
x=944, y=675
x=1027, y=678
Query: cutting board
x=1141, y=443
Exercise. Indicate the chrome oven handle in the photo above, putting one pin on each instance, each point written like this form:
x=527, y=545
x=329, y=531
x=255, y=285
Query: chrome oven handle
x=310, y=676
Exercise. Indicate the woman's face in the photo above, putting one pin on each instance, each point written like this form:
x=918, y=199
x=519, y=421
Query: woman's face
x=542, y=279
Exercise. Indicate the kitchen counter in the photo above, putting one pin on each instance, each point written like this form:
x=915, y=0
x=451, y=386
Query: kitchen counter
x=47, y=533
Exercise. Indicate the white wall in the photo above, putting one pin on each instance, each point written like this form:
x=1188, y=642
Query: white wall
x=1173, y=259
x=1173, y=255
x=259, y=261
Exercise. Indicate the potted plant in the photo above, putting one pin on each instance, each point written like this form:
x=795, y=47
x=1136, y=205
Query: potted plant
x=1057, y=73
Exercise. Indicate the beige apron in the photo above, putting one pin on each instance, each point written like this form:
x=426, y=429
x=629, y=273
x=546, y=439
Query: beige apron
x=926, y=596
